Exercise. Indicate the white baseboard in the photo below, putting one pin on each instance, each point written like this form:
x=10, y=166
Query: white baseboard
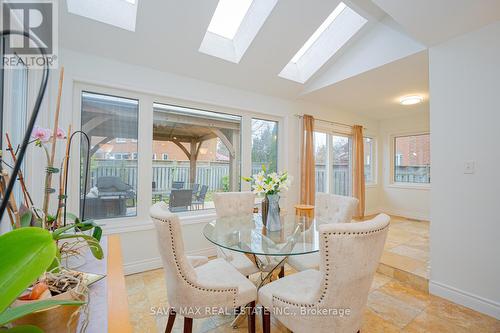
x=140, y=266
x=144, y=265
x=480, y=304
x=404, y=213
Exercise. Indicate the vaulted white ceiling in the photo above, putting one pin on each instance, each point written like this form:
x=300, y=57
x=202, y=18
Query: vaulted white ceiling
x=376, y=93
x=168, y=34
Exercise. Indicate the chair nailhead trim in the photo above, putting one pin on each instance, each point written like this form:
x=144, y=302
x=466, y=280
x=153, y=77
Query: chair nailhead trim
x=327, y=269
x=234, y=291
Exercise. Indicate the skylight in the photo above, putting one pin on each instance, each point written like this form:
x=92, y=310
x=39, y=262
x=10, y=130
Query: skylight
x=329, y=20
x=338, y=28
x=233, y=27
x=118, y=13
x=228, y=17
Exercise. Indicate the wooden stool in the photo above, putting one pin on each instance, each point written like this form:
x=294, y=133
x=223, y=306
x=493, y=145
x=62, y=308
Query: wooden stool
x=304, y=210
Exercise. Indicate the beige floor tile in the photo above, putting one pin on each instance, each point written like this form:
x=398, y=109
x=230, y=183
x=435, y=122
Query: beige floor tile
x=379, y=280
x=407, y=294
x=461, y=316
x=404, y=263
x=400, y=235
x=428, y=323
x=411, y=251
x=392, y=309
x=373, y=323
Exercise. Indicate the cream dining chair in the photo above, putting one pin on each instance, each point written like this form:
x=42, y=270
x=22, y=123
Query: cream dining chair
x=332, y=299
x=333, y=208
x=235, y=204
x=194, y=292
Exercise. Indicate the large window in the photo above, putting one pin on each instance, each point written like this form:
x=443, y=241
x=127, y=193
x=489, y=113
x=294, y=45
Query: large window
x=200, y=153
x=369, y=150
x=264, y=145
x=111, y=123
x=412, y=161
x=342, y=164
x=14, y=111
x=321, y=160
x=334, y=162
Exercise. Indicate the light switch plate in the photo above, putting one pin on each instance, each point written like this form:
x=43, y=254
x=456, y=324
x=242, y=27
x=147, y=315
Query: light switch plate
x=469, y=167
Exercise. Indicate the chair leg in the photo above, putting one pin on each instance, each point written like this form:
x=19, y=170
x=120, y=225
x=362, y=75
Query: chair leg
x=171, y=319
x=266, y=320
x=282, y=272
x=251, y=317
x=237, y=311
x=188, y=325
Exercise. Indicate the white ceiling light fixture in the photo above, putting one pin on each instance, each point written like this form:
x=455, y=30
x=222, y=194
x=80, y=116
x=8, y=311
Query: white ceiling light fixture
x=411, y=100
x=335, y=31
x=228, y=17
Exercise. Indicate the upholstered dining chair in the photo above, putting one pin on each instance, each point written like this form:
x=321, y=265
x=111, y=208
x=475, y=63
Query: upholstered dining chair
x=333, y=208
x=333, y=298
x=194, y=292
x=233, y=204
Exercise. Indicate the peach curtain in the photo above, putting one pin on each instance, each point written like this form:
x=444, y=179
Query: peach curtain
x=359, y=169
x=307, y=170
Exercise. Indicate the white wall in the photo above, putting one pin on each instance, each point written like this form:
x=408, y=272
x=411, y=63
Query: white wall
x=403, y=200
x=138, y=238
x=465, y=119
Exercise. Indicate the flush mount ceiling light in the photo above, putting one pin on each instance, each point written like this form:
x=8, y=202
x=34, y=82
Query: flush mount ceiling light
x=411, y=100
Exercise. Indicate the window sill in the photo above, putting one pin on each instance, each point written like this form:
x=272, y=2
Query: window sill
x=132, y=224
x=410, y=186
x=371, y=185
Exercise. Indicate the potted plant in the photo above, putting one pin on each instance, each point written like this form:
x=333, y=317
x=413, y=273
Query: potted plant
x=25, y=254
x=270, y=185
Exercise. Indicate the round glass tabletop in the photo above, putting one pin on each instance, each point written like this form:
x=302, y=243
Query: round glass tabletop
x=247, y=234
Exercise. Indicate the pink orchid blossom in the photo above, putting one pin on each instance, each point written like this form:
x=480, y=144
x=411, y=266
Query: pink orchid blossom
x=40, y=133
x=60, y=134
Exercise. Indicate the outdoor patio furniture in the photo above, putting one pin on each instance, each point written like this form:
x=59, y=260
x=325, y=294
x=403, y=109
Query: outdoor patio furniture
x=200, y=198
x=114, y=186
x=177, y=185
x=180, y=200
x=195, y=188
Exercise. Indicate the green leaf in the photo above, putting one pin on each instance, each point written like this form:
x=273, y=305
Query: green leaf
x=23, y=329
x=22, y=310
x=26, y=219
x=72, y=217
x=97, y=234
x=93, y=244
x=59, y=231
x=25, y=254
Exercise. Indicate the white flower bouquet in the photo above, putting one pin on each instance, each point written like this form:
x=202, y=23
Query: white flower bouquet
x=269, y=184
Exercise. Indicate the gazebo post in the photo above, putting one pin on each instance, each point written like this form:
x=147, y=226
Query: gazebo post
x=193, y=156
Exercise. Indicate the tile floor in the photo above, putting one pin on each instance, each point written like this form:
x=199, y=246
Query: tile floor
x=406, y=253
x=392, y=307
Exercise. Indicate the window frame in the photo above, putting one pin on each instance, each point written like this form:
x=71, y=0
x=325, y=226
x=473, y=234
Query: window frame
x=392, y=154
x=146, y=100
x=277, y=140
x=374, y=157
x=340, y=131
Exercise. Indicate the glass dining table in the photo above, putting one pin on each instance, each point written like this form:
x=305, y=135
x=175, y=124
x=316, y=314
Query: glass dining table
x=269, y=249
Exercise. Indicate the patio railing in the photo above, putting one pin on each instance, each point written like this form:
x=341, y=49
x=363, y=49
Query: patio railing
x=412, y=174
x=211, y=174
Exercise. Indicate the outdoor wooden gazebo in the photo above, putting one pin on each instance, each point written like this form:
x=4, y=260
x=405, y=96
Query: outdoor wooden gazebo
x=186, y=128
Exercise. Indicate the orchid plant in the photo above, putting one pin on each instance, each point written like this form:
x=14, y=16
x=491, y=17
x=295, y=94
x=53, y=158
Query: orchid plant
x=269, y=183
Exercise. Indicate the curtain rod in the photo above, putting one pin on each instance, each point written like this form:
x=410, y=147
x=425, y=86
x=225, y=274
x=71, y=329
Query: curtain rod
x=328, y=121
